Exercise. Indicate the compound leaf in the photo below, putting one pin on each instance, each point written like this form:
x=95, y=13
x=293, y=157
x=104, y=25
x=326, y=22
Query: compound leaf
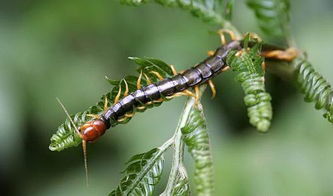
x=315, y=87
x=207, y=10
x=141, y=175
x=272, y=16
x=197, y=141
x=247, y=63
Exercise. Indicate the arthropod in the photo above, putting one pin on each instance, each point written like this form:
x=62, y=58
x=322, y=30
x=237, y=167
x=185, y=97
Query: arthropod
x=154, y=86
x=159, y=85
x=166, y=88
x=154, y=93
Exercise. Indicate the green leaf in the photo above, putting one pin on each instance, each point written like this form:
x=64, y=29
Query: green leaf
x=228, y=10
x=248, y=65
x=197, y=140
x=181, y=187
x=272, y=16
x=142, y=174
x=66, y=135
x=315, y=87
x=206, y=10
x=149, y=65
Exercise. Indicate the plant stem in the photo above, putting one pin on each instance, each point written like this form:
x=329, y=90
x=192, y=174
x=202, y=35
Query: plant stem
x=166, y=145
x=177, y=163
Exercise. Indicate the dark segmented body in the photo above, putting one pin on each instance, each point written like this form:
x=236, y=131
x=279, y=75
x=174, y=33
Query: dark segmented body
x=194, y=76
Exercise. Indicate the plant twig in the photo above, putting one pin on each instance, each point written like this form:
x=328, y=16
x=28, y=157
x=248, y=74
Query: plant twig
x=177, y=163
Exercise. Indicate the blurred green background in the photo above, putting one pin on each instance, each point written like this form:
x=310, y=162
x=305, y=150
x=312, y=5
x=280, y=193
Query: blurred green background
x=64, y=49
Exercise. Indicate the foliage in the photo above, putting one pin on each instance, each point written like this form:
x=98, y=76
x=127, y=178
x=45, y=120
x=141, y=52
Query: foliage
x=248, y=65
x=272, y=15
x=143, y=171
x=181, y=186
x=206, y=10
x=197, y=140
x=142, y=174
x=315, y=87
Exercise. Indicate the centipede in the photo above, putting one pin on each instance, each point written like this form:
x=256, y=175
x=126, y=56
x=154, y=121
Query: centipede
x=152, y=89
x=157, y=92
x=159, y=82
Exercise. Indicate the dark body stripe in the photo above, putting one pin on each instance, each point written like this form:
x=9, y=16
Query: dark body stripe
x=194, y=76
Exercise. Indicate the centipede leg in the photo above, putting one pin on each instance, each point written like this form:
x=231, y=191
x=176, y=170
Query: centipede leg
x=158, y=75
x=174, y=71
x=106, y=103
x=189, y=93
x=148, y=79
x=212, y=88
x=263, y=66
x=126, y=89
x=255, y=36
x=116, y=99
x=129, y=115
x=184, y=93
x=239, y=53
x=175, y=95
x=210, y=52
x=122, y=119
x=286, y=55
x=141, y=107
x=94, y=116
x=221, y=32
x=138, y=82
x=197, y=94
x=158, y=100
x=225, y=69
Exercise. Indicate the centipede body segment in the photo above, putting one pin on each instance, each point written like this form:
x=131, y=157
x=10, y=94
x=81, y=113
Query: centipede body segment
x=167, y=87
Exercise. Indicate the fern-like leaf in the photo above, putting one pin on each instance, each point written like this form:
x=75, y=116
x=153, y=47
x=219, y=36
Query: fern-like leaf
x=197, y=140
x=315, y=87
x=272, y=15
x=142, y=174
x=206, y=10
x=181, y=187
x=66, y=136
x=248, y=65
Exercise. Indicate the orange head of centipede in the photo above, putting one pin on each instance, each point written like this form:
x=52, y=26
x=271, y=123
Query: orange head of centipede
x=92, y=130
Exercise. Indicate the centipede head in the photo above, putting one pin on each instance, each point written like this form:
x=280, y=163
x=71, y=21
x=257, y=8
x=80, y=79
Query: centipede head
x=84, y=142
x=92, y=130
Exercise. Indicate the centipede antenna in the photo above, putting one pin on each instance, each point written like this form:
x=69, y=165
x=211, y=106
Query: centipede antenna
x=84, y=148
x=84, y=144
x=68, y=116
x=147, y=78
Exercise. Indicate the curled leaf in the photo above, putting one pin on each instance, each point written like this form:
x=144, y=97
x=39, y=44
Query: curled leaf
x=272, y=15
x=248, y=65
x=315, y=88
x=197, y=141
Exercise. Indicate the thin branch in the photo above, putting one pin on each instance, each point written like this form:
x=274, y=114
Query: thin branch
x=177, y=163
